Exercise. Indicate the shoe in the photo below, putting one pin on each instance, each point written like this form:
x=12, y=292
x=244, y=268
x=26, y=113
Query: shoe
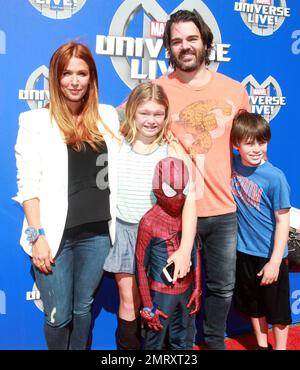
x=269, y=348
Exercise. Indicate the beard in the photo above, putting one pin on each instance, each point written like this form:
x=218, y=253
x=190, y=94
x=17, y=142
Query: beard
x=188, y=66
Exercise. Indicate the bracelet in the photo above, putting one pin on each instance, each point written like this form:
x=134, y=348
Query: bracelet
x=151, y=310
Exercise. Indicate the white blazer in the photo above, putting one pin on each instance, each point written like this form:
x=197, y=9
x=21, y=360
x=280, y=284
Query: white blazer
x=42, y=170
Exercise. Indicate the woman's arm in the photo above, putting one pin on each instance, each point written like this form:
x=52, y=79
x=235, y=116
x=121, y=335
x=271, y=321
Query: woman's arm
x=28, y=160
x=29, y=174
x=41, y=253
x=182, y=256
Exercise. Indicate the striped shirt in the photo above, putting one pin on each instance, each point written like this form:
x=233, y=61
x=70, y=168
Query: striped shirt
x=135, y=174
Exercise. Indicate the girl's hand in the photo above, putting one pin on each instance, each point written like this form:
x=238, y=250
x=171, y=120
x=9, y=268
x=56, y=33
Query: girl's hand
x=41, y=255
x=269, y=273
x=182, y=262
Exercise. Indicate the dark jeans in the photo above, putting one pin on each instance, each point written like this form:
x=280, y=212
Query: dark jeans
x=218, y=236
x=67, y=292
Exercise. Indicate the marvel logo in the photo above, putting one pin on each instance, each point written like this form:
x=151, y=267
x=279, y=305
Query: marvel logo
x=259, y=91
x=263, y=2
x=157, y=29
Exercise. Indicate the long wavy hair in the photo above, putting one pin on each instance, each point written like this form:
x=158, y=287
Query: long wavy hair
x=147, y=91
x=84, y=129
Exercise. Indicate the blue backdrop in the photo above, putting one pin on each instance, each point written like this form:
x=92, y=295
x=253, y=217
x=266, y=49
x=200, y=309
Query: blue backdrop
x=257, y=43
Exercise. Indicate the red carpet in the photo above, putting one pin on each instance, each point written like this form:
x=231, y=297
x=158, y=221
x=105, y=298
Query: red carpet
x=247, y=342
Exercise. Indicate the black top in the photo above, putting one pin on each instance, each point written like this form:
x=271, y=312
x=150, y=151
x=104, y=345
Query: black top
x=88, y=190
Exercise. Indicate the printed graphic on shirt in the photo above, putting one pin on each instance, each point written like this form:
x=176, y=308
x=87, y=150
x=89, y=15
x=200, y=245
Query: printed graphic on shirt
x=249, y=192
x=200, y=122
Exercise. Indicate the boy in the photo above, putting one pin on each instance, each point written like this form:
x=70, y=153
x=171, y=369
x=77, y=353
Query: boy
x=261, y=193
x=167, y=306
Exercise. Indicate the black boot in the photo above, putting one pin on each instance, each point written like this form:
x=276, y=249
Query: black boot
x=269, y=348
x=128, y=334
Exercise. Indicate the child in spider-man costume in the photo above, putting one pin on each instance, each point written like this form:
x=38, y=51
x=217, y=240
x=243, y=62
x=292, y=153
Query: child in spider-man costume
x=167, y=305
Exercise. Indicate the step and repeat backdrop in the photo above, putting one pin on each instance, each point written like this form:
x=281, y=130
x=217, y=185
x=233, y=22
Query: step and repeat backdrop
x=257, y=42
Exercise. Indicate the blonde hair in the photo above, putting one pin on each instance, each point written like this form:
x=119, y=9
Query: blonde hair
x=85, y=128
x=147, y=91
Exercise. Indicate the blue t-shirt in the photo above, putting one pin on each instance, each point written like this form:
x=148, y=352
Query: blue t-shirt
x=258, y=193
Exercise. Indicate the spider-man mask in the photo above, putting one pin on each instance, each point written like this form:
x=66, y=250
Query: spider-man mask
x=170, y=184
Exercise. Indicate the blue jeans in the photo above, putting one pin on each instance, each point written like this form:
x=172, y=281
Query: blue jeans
x=68, y=292
x=218, y=235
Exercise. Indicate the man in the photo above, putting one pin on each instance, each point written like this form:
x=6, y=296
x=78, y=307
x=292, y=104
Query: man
x=203, y=104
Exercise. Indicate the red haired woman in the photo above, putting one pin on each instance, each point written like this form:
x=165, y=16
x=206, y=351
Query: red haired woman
x=66, y=162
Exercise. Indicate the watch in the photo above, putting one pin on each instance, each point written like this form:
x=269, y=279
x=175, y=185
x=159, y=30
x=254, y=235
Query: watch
x=33, y=233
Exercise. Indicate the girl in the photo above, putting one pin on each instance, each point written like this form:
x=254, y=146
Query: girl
x=145, y=142
x=56, y=151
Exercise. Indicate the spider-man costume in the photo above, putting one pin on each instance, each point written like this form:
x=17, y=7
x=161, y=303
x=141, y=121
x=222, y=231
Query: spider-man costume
x=167, y=305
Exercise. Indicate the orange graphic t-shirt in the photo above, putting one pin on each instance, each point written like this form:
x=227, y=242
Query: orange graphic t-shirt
x=201, y=120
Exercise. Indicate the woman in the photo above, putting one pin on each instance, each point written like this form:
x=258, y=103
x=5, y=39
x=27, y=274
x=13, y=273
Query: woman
x=66, y=156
